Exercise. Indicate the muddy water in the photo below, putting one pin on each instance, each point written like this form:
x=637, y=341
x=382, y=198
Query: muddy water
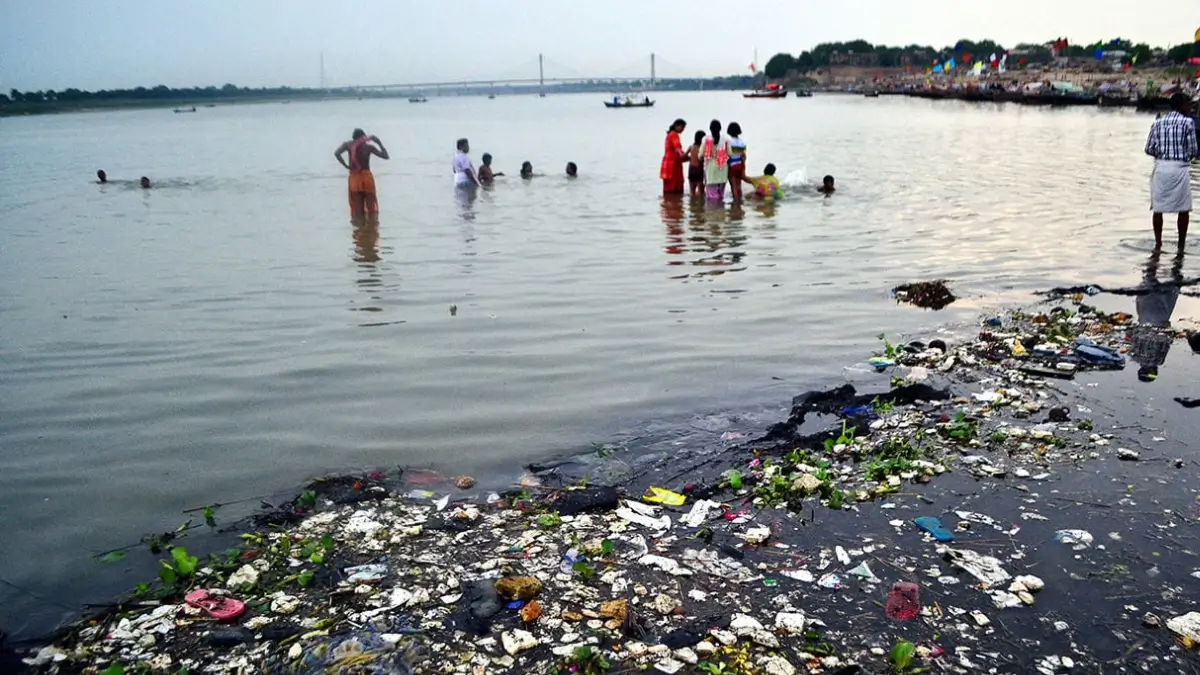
x=228, y=333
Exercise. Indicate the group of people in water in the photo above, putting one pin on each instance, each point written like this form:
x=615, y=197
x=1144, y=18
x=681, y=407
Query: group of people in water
x=102, y=177
x=714, y=161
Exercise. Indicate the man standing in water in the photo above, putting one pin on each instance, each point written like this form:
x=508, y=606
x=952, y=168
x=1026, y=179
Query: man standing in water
x=1172, y=144
x=464, y=171
x=362, y=183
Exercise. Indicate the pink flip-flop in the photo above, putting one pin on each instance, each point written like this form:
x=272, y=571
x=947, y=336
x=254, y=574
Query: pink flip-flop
x=216, y=606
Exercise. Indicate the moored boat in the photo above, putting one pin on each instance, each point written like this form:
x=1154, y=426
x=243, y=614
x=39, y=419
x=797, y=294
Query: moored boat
x=630, y=101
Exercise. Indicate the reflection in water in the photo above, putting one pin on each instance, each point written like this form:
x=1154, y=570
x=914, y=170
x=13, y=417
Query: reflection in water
x=712, y=238
x=464, y=199
x=1149, y=344
x=365, y=234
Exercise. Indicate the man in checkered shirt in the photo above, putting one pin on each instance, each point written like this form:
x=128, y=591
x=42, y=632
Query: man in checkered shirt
x=1172, y=144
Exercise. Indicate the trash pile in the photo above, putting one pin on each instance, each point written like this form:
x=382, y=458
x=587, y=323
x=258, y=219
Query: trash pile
x=741, y=563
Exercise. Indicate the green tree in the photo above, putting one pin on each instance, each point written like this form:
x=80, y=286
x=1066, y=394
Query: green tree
x=779, y=66
x=1181, y=53
x=805, y=62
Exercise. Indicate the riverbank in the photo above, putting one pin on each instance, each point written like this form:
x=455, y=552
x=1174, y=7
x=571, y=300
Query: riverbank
x=1070, y=526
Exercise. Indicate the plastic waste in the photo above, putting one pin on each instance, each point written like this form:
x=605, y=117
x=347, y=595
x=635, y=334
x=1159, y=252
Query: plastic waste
x=880, y=363
x=830, y=581
x=864, y=572
x=643, y=514
x=366, y=574
x=1080, y=539
x=1098, y=355
x=569, y=559
x=665, y=564
x=699, y=513
x=934, y=527
x=983, y=567
x=657, y=495
x=418, y=494
x=903, y=602
x=1187, y=625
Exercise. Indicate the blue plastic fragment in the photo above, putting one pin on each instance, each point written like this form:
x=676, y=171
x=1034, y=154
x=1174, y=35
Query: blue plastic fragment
x=515, y=604
x=934, y=527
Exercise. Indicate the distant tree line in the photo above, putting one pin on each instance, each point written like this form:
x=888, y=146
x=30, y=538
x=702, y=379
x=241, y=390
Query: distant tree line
x=885, y=56
x=150, y=94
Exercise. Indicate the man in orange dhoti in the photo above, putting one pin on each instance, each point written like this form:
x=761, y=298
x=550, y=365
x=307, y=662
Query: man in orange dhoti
x=362, y=183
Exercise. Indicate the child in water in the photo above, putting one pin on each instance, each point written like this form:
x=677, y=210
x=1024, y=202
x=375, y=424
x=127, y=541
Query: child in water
x=572, y=170
x=766, y=186
x=827, y=186
x=527, y=170
x=695, y=158
x=486, y=175
x=737, y=160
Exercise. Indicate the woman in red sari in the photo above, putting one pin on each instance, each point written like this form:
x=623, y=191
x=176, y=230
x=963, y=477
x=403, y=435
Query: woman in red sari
x=671, y=171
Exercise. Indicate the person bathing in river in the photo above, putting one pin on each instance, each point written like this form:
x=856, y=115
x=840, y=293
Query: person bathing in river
x=716, y=164
x=486, y=175
x=1172, y=143
x=464, y=171
x=145, y=183
x=671, y=169
x=363, y=199
x=737, y=160
x=572, y=170
x=526, y=170
x=101, y=177
x=826, y=186
x=766, y=186
x=695, y=158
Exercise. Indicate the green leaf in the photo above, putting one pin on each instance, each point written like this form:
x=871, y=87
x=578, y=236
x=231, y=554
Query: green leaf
x=606, y=547
x=185, y=564
x=305, y=578
x=112, y=557
x=327, y=542
x=114, y=669
x=735, y=479
x=317, y=559
x=166, y=573
x=209, y=518
x=902, y=655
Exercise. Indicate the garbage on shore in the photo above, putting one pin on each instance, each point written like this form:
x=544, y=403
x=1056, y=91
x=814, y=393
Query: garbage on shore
x=722, y=568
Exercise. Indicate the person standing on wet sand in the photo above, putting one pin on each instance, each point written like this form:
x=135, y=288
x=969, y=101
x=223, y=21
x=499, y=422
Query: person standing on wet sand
x=671, y=169
x=1172, y=144
x=363, y=199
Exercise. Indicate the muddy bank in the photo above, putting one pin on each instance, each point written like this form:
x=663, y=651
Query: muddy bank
x=1056, y=533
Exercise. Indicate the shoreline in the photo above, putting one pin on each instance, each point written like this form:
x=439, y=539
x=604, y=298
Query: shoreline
x=771, y=577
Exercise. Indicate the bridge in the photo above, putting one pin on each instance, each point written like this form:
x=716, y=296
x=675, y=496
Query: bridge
x=521, y=78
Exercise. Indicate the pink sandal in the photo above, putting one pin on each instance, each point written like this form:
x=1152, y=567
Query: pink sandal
x=216, y=606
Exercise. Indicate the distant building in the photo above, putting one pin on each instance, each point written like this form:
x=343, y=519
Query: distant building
x=857, y=59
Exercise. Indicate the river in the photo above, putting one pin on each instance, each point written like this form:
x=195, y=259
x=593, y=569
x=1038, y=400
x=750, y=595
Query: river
x=229, y=334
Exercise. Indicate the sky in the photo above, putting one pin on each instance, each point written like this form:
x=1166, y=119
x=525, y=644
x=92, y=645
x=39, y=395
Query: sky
x=97, y=44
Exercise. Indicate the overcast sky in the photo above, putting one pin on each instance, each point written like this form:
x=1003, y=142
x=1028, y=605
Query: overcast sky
x=92, y=44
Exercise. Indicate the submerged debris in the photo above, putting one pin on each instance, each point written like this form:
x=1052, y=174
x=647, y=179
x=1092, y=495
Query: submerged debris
x=933, y=295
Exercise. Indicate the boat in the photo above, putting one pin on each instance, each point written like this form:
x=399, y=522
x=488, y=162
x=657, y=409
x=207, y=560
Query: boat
x=803, y=93
x=630, y=101
x=186, y=110
x=771, y=91
x=871, y=94
x=491, y=97
x=418, y=99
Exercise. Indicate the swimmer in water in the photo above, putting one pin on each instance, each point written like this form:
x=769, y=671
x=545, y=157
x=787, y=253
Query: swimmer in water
x=827, y=187
x=766, y=186
x=527, y=170
x=572, y=170
x=145, y=183
x=101, y=176
x=486, y=175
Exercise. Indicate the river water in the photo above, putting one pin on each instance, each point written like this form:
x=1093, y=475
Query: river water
x=229, y=333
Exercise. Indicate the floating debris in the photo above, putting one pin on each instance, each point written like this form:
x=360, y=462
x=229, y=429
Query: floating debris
x=933, y=295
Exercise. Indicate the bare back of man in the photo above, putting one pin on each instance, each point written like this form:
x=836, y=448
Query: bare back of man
x=358, y=151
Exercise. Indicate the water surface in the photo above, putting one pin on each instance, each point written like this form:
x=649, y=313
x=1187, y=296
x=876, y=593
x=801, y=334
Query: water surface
x=229, y=333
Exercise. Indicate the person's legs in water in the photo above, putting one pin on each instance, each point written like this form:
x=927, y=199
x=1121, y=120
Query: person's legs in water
x=736, y=173
x=1184, y=219
x=1157, y=221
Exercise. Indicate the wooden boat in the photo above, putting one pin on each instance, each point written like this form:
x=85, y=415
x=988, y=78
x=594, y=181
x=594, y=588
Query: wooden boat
x=418, y=99
x=491, y=97
x=778, y=92
x=1118, y=101
x=644, y=103
x=871, y=94
x=186, y=110
x=803, y=93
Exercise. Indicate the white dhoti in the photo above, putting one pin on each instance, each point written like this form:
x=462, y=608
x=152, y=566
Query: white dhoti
x=1170, y=191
